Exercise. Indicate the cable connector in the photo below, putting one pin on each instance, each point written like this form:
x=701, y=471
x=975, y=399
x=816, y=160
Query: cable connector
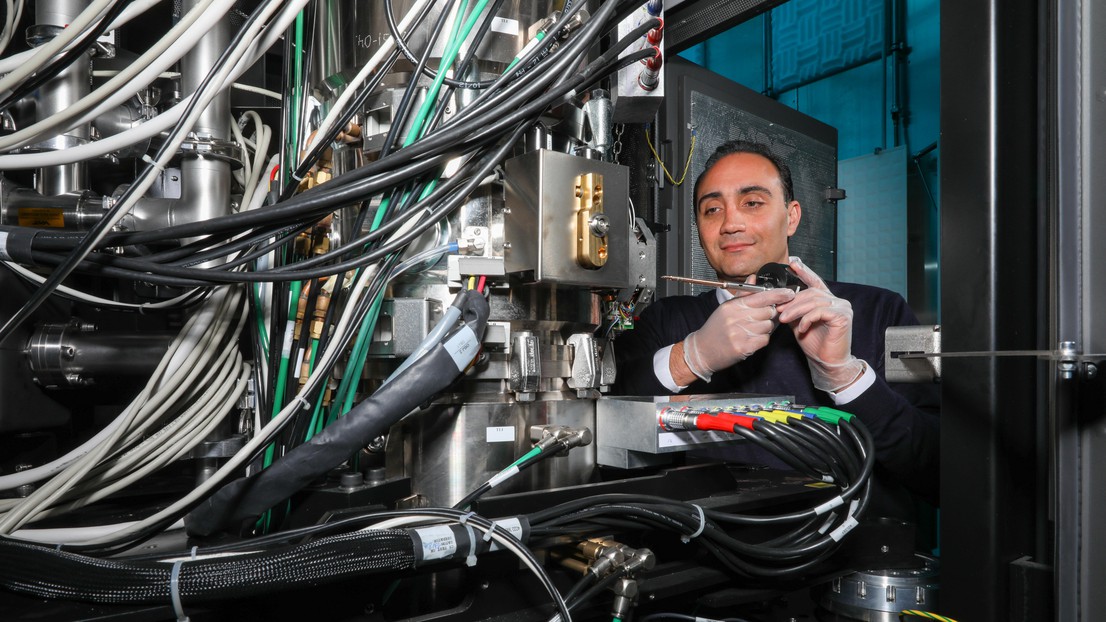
x=550, y=436
x=650, y=76
x=625, y=595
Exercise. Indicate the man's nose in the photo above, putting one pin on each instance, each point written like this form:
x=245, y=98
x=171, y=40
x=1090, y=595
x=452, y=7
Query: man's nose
x=733, y=220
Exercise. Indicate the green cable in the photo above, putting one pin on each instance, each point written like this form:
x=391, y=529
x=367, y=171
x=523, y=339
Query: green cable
x=281, y=383
x=285, y=356
x=348, y=387
x=311, y=427
x=452, y=48
x=530, y=454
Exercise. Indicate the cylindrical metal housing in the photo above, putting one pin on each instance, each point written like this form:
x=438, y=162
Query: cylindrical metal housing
x=57, y=94
x=76, y=354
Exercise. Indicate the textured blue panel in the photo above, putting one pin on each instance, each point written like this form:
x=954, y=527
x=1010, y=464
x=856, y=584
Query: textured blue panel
x=812, y=38
x=871, y=222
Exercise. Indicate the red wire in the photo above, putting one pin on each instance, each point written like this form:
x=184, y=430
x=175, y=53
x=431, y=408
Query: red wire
x=480, y=284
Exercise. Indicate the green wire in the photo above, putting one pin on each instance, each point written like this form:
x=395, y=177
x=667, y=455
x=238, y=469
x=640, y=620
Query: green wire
x=530, y=454
x=285, y=356
x=347, y=389
x=452, y=48
x=281, y=383
x=311, y=427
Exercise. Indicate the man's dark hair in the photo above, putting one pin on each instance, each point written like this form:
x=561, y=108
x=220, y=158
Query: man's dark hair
x=744, y=146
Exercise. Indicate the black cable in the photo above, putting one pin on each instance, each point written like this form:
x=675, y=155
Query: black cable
x=323, y=143
x=464, y=503
x=420, y=65
x=58, y=275
x=353, y=108
x=399, y=119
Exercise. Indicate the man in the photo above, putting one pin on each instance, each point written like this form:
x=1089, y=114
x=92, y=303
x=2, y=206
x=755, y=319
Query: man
x=824, y=344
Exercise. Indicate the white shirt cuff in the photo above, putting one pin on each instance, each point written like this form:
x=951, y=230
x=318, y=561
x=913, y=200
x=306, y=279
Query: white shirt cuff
x=662, y=370
x=867, y=379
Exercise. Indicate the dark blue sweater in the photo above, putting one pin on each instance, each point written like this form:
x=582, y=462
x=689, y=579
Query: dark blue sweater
x=903, y=418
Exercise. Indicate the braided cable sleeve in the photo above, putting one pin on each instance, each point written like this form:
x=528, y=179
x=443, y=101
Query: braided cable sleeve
x=49, y=573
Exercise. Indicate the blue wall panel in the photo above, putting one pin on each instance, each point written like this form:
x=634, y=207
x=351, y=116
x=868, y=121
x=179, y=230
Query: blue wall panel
x=812, y=38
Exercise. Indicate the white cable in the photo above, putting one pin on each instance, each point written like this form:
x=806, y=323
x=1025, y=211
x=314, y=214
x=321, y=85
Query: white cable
x=325, y=360
x=241, y=86
x=75, y=535
x=135, y=9
x=249, y=88
x=12, y=18
x=45, y=53
x=169, y=443
x=331, y=119
x=231, y=466
x=175, y=140
x=506, y=540
x=181, y=38
x=149, y=128
x=181, y=366
x=96, y=300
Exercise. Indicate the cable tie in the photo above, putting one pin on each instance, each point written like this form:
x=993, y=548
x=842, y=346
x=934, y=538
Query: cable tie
x=174, y=591
x=470, y=561
x=702, y=525
x=152, y=162
x=306, y=405
x=465, y=517
x=488, y=533
x=194, y=549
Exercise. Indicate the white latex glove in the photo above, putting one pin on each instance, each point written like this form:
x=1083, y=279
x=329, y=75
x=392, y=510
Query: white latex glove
x=735, y=330
x=823, y=326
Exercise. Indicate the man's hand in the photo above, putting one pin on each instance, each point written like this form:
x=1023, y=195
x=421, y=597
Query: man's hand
x=823, y=326
x=735, y=330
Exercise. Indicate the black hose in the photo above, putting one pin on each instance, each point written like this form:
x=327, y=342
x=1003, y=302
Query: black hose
x=247, y=498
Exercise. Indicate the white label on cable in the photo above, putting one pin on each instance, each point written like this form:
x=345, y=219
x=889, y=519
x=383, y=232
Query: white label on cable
x=4, y=256
x=462, y=347
x=501, y=434
x=503, y=476
x=513, y=526
x=829, y=505
x=845, y=528
x=297, y=365
x=437, y=542
x=505, y=26
x=289, y=330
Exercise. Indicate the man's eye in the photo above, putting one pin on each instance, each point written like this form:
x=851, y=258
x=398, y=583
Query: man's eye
x=752, y=204
x=710, y=211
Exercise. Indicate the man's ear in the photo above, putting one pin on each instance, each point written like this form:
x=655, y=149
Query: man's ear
x=794, y=215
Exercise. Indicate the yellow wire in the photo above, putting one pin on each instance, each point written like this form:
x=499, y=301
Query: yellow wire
x=472, y=282
x=687, y=164
x=924, y=614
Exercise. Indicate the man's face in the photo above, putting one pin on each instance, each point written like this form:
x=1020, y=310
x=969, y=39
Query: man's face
x=744, y=222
